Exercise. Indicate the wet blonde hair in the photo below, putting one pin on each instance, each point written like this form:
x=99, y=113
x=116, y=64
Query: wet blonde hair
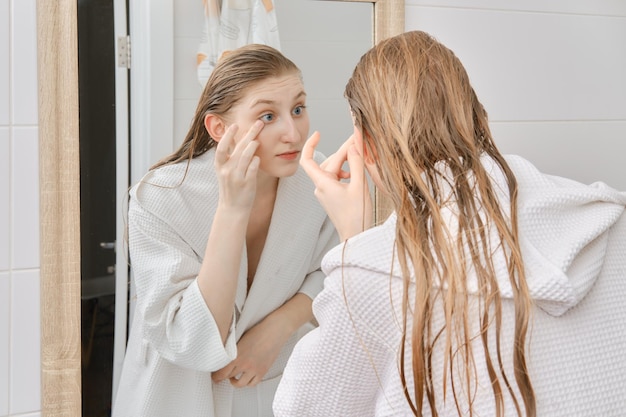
x=235, y=73
x=413, y=102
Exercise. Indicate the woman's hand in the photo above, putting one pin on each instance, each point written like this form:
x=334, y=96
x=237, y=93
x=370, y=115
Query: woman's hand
x=237, y=167
x=257, y=350
x=348, y=204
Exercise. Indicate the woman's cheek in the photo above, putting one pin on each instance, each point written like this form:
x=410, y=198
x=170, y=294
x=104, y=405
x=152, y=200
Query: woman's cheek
x=304, y=125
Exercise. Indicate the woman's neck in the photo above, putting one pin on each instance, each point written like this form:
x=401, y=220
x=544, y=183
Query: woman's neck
x=266, y=185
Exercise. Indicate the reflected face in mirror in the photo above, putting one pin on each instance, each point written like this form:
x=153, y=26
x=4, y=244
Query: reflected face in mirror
x=218, y=236
x=280, y=103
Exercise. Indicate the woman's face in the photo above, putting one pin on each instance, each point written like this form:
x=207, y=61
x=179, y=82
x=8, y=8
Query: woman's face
x=280, y=103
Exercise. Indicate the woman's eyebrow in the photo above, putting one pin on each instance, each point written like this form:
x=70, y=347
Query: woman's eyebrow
x=271, y=102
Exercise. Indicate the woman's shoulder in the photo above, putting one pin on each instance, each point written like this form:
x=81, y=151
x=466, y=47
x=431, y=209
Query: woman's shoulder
x=372, y=250
x=168, y=184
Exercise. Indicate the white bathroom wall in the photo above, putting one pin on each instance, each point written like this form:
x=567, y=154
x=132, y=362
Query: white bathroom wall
x=19, y=212
x=551, y=74
x=325, y=39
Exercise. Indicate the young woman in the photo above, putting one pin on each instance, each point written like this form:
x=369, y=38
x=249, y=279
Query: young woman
x=225, y=241
x=491, y=290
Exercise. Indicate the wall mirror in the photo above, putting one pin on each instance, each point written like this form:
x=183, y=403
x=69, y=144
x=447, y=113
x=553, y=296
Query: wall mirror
x=60, y=188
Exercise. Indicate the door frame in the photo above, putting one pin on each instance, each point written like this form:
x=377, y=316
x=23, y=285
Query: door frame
x=122, y=181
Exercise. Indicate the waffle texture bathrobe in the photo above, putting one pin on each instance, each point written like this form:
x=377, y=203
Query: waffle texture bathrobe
x=174, y=342
x=573, y=240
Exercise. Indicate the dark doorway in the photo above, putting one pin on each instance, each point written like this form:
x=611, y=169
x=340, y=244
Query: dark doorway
x=97, y=125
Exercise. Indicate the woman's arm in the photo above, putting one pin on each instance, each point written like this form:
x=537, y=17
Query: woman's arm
x=340, y=368
x=237, y=168
x=219, y=272
x=175, y=317
x=259, y=347
x=187, y=302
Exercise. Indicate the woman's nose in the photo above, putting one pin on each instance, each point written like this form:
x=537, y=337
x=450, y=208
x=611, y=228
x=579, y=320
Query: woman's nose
x=290, y=130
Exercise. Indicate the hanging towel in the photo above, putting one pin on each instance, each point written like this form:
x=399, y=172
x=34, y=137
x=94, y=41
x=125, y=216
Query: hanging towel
x=230, y=24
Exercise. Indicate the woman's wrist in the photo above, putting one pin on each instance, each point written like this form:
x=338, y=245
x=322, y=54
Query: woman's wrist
x=293, y=314
x=233, y=214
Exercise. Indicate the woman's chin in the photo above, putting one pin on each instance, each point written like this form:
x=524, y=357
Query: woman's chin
x=282, y=172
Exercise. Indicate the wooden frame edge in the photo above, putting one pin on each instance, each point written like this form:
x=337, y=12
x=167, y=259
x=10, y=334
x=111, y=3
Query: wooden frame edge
x=389, y=20
x=59, y=184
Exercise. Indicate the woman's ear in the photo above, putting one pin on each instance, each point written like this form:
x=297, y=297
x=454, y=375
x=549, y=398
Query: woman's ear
x=215, y=126
x=368, y=158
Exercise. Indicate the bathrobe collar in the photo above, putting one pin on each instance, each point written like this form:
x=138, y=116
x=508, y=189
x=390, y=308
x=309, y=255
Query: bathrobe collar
x=288, y=209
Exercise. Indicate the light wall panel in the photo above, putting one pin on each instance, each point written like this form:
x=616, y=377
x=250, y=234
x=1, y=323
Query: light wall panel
x=552, y=76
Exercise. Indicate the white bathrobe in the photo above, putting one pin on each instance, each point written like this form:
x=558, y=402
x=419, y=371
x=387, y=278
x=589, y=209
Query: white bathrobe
x=174, y=342
x=573, y=240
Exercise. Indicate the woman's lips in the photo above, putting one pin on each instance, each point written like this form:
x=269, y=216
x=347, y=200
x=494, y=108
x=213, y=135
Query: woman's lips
x=290, y=156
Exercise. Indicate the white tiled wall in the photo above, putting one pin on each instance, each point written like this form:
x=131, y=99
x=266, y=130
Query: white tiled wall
x=551, y=74
x=4, y=63
x=19, y=212
x=25, y=372
x=24, y=56
x=5, y=190
x=5, y=315
x=25, y=197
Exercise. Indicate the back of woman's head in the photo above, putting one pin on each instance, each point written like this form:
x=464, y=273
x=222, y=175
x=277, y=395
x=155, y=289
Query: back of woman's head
x=413, y=97
x=235, y=73
x=427, y=132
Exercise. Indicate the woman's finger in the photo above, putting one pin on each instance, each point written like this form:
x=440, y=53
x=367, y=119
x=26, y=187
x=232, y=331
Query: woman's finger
x=253, y=167
x=241, y=380
x=334, y=163
x=247, y=156
x=306, y=158
x=223, y=373
x=308, y=150
x=244, y=154
x=356, y=164
x=248, y=138
x=225, y=143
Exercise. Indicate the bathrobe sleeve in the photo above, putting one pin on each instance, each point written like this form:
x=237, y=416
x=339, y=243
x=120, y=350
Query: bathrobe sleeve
x=176, y=320
x=330, y=373
x=348, y=366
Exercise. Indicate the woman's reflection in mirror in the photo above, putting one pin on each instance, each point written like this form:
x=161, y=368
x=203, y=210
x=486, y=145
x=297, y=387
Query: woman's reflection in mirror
x=225, y=240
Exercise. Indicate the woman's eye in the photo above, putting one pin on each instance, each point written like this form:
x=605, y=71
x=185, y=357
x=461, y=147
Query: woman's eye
x=299, y=110
x=267, y=117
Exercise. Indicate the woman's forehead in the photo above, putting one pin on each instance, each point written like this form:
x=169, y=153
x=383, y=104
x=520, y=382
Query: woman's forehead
x=287, y=88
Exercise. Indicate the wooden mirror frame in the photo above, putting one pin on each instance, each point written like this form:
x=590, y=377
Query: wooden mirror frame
x=59, y=193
